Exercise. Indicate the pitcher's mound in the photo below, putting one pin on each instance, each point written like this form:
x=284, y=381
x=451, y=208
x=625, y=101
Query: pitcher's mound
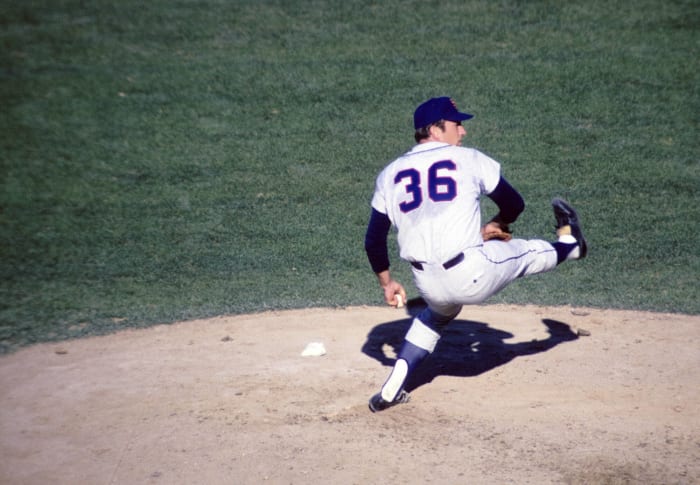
x=511, y=395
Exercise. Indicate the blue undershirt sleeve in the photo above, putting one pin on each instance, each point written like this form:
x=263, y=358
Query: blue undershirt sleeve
x=510, y=203
x=376, y=241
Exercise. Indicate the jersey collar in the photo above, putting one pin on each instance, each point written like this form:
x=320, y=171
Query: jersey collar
x=429, y=145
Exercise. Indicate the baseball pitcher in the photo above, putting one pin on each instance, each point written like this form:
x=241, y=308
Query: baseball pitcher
x=430, y=195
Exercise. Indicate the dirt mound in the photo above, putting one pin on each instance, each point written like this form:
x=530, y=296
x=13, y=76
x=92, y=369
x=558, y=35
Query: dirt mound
x=511, y=395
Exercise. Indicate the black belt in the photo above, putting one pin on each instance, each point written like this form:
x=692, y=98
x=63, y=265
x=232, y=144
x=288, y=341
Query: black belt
x=447, y=264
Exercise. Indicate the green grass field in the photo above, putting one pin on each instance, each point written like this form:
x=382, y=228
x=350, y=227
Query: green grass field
x=172, y=160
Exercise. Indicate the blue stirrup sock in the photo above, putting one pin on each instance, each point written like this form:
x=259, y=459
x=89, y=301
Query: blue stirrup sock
x=565, y=250
x=420, y=342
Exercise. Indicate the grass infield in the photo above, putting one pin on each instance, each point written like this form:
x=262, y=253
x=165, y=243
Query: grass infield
x=183, y=159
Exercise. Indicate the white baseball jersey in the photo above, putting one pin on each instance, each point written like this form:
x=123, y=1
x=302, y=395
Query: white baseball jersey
x=431, y=195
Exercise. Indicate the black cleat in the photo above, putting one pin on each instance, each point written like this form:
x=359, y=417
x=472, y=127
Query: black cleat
x=377, y=403
x=568, y=223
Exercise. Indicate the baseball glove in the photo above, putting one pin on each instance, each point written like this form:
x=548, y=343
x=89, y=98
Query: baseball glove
x=495, y=229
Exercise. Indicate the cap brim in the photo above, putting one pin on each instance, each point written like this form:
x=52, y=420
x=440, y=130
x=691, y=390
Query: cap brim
x=460, y=117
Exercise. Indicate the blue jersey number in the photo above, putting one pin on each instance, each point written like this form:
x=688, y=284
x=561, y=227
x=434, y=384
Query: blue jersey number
x=440, y=188
x=412, y=188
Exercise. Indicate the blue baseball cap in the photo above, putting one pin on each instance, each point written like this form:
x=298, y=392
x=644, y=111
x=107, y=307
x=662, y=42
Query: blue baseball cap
x=436, y=109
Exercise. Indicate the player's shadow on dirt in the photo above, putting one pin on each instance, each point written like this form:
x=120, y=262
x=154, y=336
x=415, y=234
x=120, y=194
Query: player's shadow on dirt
x=466, y=348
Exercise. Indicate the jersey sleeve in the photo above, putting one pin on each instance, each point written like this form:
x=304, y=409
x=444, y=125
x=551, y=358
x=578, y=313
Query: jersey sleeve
x=378, y=229
x=490, y=173
x=378, y=199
